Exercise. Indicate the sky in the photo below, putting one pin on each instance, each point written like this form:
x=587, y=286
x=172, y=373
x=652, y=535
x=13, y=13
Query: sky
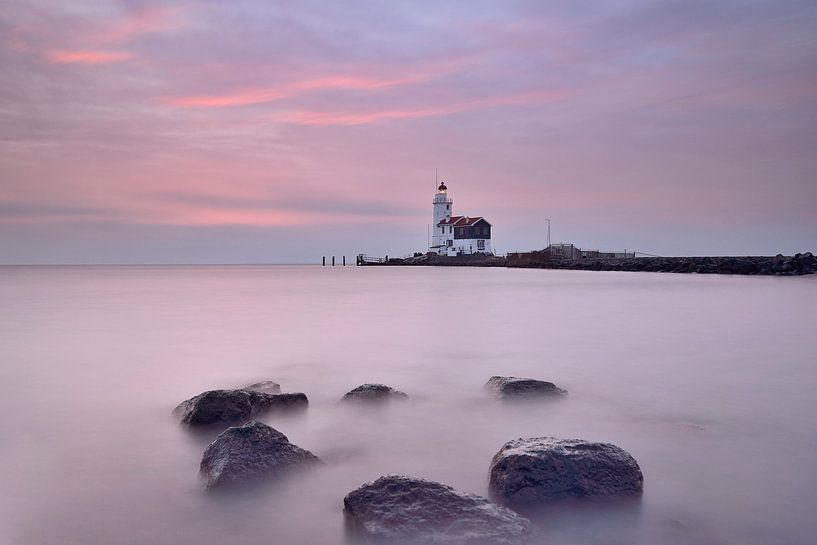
x=253, y=131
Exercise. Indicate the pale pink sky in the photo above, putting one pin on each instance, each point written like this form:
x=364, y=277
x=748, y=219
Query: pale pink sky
x=255, y=131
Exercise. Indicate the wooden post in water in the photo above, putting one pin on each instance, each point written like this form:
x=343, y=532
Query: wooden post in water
x=333, y=261
x=344, y=261
x=324, y=261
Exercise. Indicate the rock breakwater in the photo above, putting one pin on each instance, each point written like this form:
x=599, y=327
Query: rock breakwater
x=779, y=265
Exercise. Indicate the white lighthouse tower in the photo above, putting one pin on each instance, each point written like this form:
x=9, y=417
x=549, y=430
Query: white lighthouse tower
x=442, y=211
x=457, y=235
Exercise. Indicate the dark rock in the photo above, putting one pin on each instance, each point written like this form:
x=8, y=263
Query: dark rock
x=231, y=406
x=215, y=406
x=264, y=402
x=373, y=392
x=545, y=468
x=513, y=387
x=406, y=510
x=251, y=452
x=804, y=263
x=265, y=387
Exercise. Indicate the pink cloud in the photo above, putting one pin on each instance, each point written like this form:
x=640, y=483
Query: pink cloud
x=204, y=216
x=239, y=98
x=91, y=41
x=16, y=41
x=228, y=213
x=363, y=118
x=138, y=22
x=88, y=57
x=268, y=218
x=330, y=82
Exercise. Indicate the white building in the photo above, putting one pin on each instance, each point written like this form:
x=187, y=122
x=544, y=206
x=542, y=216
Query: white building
x=454, y=235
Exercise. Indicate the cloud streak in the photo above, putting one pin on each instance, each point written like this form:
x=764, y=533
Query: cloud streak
x=92, y=38
x=329, y=82
x=88, y=57
x=323, y=119
x=271, y=94
x=140, y=21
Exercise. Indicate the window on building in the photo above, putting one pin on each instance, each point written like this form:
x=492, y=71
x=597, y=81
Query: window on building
x=480, y=245
x=447, y=206
x=449, y=242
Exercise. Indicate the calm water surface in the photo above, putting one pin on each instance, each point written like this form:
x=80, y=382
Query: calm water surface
x=709, y=381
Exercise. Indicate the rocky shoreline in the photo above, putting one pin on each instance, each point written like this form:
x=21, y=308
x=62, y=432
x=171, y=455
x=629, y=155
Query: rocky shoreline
x=779, y=265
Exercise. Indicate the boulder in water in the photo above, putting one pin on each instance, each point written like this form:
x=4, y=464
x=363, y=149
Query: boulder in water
x=373, y=392
x=265, y=387
x=232, y=406
x=545, y=468
x=518, y=388
x=407, y=510
x=264, y=402
x=251, y=452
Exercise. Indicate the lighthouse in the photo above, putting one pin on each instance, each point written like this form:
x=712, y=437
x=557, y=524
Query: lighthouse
x=442, y=211
x=457, y=235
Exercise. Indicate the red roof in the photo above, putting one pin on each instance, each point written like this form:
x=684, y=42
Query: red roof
x=451, y=221
x=469, y=221
x=462, y=221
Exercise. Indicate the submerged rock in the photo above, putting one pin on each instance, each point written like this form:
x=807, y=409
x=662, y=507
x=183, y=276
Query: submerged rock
x=266, y=387
x=251, y=452
x=231, y=406
x=545, y=468
x=514, y=387
x=373, y=392
x=402, y=509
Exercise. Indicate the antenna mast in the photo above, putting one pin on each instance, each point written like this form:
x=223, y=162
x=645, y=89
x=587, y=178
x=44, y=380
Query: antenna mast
x=548, y=220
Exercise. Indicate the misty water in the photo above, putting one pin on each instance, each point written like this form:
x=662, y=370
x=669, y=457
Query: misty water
x=708, y=381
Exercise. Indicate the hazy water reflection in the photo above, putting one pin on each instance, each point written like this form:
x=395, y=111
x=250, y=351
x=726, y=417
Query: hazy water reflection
x=708, y=381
